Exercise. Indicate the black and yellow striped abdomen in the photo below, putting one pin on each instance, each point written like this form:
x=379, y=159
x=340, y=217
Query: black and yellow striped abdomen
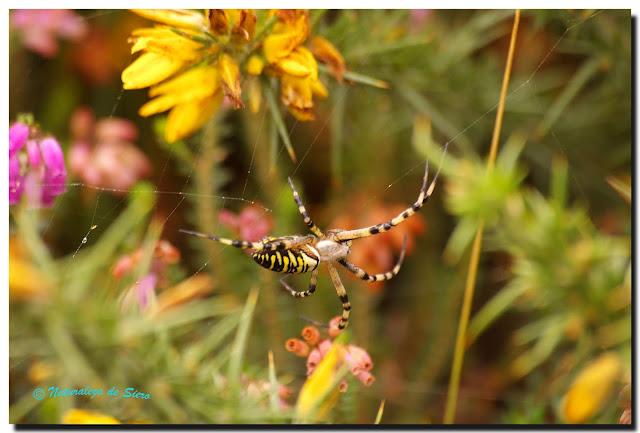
x=291, y=261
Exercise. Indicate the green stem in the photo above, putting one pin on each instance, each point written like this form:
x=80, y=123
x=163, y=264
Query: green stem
x=458, y=356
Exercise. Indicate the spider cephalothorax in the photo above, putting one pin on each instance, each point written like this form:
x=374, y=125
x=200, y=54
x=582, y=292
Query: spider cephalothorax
x=303, y=253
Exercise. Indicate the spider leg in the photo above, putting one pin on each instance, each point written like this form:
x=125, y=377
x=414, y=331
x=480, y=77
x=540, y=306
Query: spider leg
x=383, y=227
x=312, y=286
x=303, y=211
x=226, y=241
x=363, y=275
x=342, y=294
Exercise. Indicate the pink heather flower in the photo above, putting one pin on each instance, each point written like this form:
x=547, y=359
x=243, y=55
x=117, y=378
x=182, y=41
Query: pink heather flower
x=55, y=173
x=16, y=181
x=42, y=174
x=366, y=378
x=313, y=360
x=103, y=154
x=252, y=224
x=18, y=134
x=39, y=28
x=145, y=289
x=358, y=358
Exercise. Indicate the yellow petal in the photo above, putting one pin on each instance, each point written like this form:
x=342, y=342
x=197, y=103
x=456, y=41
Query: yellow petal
x=278, y=46
x=302, y=114
x=185, y=119
x=206, y=77
x=196, y=83
x=319, y=89
x=26, y=283
x=255, y=65
x=149, y=69
x=79, y=416
x=40, y=371
x=230, y=76
x=294, y=65
x=255, y=95
x=167, y=43
x=296, y=92
x=189, y=289
x=590, y=390
x=324, y=51
x=182, y=18
x=320, y=391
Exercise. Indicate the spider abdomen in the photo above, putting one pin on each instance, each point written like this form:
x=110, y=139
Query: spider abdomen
x=290, y=261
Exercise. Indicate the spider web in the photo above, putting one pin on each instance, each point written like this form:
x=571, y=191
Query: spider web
x=104, y=216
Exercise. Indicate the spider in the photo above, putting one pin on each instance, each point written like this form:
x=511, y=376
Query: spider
x=299, y=254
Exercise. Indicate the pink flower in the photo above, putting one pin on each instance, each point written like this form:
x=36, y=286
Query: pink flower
x=39, y=28
x=42, y=175
x=252, y=224
x=145, y=289
x=355, y=357
x=18, y=134
x=55, y=173
x=103, y=154
x=16, y=181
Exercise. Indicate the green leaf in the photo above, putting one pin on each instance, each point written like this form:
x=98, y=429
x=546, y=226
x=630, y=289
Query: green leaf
x=240, y=342
x=279, y=122
x=493, y=309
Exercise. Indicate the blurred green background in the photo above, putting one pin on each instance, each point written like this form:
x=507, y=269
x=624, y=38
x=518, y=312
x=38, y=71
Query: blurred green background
x=553, y=289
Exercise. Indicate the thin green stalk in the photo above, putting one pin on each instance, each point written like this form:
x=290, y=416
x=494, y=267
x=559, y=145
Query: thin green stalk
x=458, y=356
x=208, y=179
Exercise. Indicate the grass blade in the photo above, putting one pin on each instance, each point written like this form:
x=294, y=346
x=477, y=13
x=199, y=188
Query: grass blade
x=279, y=122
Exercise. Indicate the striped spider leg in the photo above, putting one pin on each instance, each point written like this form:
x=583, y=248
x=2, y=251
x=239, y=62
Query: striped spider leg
x=364, y=275
x=424, y=196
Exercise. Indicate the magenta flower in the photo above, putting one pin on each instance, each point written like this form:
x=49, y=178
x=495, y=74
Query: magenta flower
x=145, y=290
x=40, y=28
x=41, y=174
x=16, y=181
x=18, y=134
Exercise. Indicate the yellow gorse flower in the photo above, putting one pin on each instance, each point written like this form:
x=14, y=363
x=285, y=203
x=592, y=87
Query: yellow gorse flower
x=191, y=60
x=80, y=416
x=591, y=389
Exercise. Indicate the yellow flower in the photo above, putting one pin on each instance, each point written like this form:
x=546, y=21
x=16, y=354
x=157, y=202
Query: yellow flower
x=80, y=416
x=294, y=63
x=192, y=97
x=255, y=65
x=26, y=282
x=230, y=75
x=290, y=31
x=239, y=23
x=190, y=60
x=181, y=18
x=255, y=94
x=40, y=371
x=591, y=388
x=320, y=392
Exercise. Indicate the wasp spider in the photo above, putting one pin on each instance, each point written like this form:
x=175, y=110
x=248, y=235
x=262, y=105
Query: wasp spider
x=299, y=254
